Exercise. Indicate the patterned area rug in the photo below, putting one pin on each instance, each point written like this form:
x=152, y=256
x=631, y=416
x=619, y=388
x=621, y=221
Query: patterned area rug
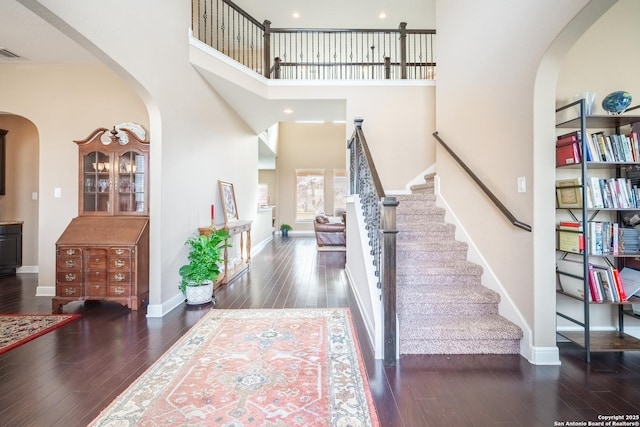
x=276, y=368
x=17, y=329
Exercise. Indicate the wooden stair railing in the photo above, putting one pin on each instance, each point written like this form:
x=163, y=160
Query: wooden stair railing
x=380, y=222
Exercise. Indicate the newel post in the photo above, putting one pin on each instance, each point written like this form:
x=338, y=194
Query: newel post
x=266, y=54
x=403, y=50
x=388, y=274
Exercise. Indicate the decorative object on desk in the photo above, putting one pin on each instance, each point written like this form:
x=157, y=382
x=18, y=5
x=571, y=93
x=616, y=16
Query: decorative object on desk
x=284, y=230
x=616, y=102
x=256, y=367
x=17, y=329
x=228, y=197
x=199, y=275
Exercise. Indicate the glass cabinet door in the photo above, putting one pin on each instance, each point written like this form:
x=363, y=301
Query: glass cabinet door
x=132, y=192
x=96, y=182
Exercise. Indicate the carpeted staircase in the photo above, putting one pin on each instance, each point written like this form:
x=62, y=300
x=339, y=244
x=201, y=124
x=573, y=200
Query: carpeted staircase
x=442, y=306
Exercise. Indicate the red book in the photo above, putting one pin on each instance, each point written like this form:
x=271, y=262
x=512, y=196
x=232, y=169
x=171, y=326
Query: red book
x=619, y=285
x=568, y=154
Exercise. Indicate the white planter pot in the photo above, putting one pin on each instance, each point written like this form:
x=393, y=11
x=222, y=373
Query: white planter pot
x=199, y=294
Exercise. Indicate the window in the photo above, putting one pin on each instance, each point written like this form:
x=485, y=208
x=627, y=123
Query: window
x=309, y=193
x=339, y=191
x=263, y=194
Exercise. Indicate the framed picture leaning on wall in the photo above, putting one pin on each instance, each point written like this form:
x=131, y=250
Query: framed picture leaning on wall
x=228, y=197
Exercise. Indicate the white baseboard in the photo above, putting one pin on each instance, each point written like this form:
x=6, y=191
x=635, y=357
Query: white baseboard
x=544, y=356
x=159, y=310
x=28, y=269
x=46, y=291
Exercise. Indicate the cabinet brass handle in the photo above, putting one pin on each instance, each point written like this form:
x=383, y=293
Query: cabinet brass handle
x=119, y=277
x=118, y=291
x=119, y=263
x=119, y=251
x=69, y=291
x=70, y=277
x=97, y=273
x=71, y=251
x=70, y=263
x=97, y=259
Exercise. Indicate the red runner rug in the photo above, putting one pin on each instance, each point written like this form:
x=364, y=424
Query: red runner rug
x=17, y=329
x=286, y=367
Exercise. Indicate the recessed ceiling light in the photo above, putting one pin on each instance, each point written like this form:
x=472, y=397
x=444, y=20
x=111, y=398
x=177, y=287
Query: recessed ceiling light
x=296, y=15
x=382, y=15
x=288, y=111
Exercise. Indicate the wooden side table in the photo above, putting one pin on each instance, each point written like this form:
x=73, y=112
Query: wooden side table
x=243, y=228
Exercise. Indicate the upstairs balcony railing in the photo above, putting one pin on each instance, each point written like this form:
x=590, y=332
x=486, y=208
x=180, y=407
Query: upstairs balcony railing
x=317, y=54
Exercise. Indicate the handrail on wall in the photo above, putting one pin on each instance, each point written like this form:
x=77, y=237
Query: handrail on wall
x=514, y=221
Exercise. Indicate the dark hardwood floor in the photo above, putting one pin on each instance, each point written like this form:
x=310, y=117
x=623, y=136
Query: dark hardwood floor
x=66, y=377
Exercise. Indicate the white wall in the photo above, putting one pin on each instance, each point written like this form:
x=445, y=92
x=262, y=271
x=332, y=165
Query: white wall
x=195, y=138
x=487, y=110
x=64, y=102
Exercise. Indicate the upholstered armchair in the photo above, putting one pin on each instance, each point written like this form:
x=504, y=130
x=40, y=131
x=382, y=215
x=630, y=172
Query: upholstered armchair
x=330, y=231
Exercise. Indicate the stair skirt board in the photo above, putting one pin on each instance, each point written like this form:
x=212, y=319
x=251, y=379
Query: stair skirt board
x=442, y=306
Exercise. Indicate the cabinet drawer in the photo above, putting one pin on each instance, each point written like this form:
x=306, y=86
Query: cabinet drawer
x=69, y=290
x=96, y=259
x=120, y=252
x=116, y=264
x=122, y=277
x=69, y=264
x=96, y=277
x=119, y=290
x=69, y=278
x=96, y=290
x=68, y=251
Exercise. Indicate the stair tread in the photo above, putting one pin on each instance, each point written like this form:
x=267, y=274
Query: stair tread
x=442, y=305
x=452, y=293
x=461, y=327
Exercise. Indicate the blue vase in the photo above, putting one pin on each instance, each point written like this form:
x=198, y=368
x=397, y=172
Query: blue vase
x=616, y=102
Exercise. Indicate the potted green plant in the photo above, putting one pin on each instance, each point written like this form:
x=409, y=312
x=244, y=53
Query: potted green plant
x=284, y=229
x=199, y=275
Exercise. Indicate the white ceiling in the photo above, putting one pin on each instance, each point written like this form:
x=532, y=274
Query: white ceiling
x=35, y=41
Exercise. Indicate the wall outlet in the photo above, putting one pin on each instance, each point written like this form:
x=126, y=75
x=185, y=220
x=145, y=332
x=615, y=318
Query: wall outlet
x=522, y=184
x=34, y=195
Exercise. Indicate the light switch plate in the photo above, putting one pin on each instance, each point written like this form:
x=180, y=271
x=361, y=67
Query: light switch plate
x=522, y=184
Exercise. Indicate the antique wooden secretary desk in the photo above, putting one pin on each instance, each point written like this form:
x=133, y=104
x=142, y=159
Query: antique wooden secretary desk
x=103, y=254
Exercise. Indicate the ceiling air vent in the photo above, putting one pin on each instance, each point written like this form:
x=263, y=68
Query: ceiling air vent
x=8, y=54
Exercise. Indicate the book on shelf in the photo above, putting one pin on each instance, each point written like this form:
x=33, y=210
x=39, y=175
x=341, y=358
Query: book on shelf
x=622, y=292
x=596, y=192
x=569, y=193
x=608, y=288
x=569, y=277
x=568, y=153
x=570, y=225
x=612, y=193
x=570, y=241
x=630, y=281
x=621, y=148
x=608, y=238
